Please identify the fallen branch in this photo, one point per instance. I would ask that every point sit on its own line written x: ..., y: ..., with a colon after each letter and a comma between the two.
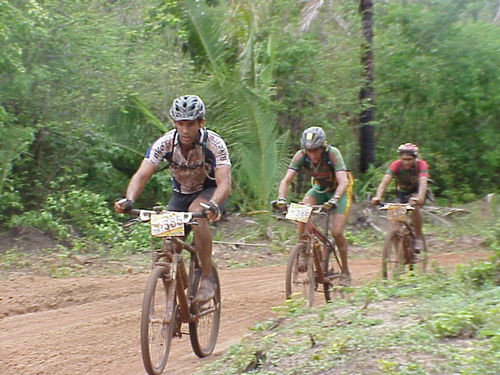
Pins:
x: 436, y: 217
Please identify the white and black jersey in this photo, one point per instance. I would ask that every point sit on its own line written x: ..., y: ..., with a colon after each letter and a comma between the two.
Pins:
x: 196, y: 172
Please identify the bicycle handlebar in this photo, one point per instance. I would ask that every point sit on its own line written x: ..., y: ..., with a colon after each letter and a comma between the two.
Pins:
x: 385, y: 205
x: 143, y: 212
x: 317, y: 209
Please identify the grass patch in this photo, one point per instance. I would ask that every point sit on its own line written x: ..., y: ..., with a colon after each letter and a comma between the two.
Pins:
x: 438, y: 323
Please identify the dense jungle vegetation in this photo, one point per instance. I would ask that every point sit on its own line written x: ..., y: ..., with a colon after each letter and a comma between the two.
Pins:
x: 85, y: 86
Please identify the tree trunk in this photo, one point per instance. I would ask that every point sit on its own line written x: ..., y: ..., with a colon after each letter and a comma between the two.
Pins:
x: 366, y: 95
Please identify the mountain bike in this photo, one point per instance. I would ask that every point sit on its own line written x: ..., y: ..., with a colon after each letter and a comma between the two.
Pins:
x: 313, y: 261
x: 399, y: 251
x: 168, y: 300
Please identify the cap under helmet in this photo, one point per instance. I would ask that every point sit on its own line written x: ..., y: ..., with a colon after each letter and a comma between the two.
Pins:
x: 187, y: 107
x: 408, y: 148
x: 313, y: 137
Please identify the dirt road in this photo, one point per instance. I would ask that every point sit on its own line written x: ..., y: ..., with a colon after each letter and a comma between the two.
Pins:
x: 89, y: 325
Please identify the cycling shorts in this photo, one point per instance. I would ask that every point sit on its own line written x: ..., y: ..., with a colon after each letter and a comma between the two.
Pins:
x: 181, y: 202
x: 344, y: 203
x: 404, y: 197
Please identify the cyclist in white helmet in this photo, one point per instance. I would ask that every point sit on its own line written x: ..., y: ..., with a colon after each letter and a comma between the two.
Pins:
x: 411, y: 174
x: 201, y: 173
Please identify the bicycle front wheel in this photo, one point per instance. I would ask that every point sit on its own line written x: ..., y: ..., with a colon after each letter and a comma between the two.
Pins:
x: 419, y: 259
x: 331, y: 271
x: 393, y: 257
x: 204, y: 330
x: 158, y: 320
x: 299, y: 277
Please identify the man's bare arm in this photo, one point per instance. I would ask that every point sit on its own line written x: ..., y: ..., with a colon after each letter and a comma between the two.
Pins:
x: 223, y: 180
x: 381, y: 188
x: 137, y: 183
x: 341, y: 177
x: 285, y: 183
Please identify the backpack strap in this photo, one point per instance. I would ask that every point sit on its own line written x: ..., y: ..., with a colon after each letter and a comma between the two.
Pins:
x: 325, y: 156
x: 203, y: 143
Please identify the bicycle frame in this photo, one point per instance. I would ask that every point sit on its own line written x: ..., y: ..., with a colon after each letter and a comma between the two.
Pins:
x: 311, y: 234
x: 172, y: 248
x: 402, y: 228
x: 310, y: 263
x: 169, y: 297
x: 399, y: 241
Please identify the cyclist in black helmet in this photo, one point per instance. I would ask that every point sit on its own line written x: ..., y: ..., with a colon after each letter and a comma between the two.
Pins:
x: 332, y: 186
x: 201, y: 173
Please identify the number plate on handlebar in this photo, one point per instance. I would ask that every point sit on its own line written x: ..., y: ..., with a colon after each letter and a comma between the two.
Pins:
x: 396, y: 213
x: 169, y: 223
x: 298, y: 212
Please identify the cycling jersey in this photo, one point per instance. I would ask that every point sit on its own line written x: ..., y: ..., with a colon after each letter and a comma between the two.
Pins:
x: 322, y: 174
x: 407, y: 179
x: 196, y: 172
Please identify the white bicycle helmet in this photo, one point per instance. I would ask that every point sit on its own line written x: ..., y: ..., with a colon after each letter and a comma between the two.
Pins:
x: 187, y: 107
x: 408, y: 148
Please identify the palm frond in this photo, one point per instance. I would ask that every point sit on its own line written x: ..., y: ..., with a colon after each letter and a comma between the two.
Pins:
x: 246, y: 119
x: 309, y: 13
x: 131, y: 126
x: 207, y: 31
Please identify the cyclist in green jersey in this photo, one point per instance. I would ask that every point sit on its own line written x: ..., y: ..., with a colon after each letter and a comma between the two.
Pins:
x: 332, y: 186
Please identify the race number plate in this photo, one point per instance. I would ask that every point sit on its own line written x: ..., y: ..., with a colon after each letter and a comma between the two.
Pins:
x: 298, y: 212
x: 169, y: 223
x: 397, y: 213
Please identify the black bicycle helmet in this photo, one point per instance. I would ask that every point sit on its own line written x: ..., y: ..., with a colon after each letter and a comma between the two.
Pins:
x: 313, y: 137
x: 187, y: 107
x: 408, y: 148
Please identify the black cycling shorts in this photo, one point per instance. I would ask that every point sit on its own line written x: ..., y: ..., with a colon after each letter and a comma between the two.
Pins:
x: 181, y: 202
x: 403, y: 196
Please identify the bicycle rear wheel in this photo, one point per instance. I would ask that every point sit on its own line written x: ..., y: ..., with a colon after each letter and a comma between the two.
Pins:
x: 158, y: 321
x: 331, y: 271
x: 393, y: 257
x: 204, y: 330
x: 300, y: 277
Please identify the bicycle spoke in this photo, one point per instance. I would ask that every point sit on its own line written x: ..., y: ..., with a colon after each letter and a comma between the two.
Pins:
x: 300, y: 277
x: 157, y: 321
x: 204, y: 330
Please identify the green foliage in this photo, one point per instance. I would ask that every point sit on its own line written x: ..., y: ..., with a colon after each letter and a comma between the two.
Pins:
x: 74, y: 215
x: 242, y: 106
x: 14, y: 142
x: 478, y: 275
x: 436, y: 87
x: 86, y: 86
x: 462, y: 323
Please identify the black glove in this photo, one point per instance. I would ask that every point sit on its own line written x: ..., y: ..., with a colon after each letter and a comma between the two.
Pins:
x: 126, y: 204
x: 331, y: 204
x: 214, y: 207
x: 279, y: 204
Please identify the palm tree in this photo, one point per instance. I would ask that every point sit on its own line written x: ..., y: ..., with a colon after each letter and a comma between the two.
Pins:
x: 238, y: 98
